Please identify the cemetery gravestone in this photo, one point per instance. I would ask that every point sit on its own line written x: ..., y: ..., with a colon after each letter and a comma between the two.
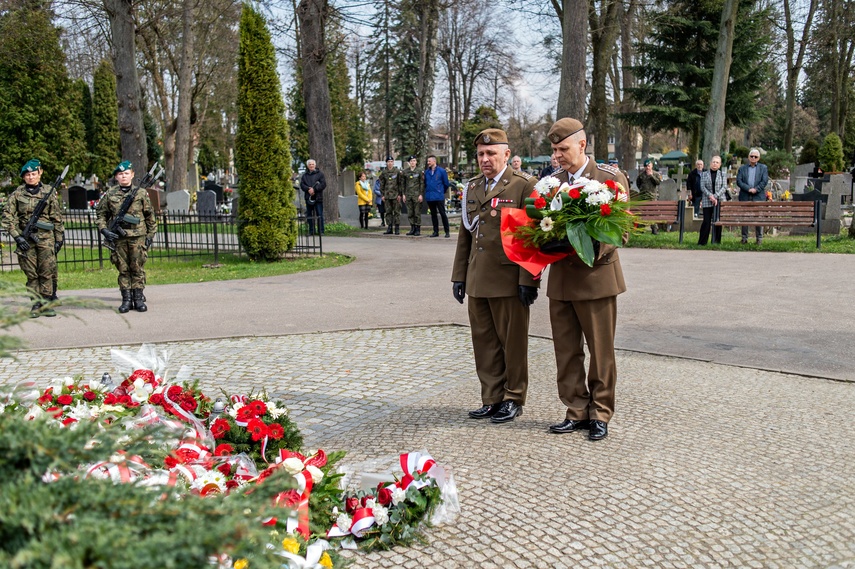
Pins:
x: 668, y: 190
x: 216, y: 188
x: 77, y: 198
x: 348, y: 210
x: 178, y: 202
x: 206, y: 203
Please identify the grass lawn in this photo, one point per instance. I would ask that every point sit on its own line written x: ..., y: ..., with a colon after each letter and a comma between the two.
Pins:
x: 189, y: 271
x: 732, y: 241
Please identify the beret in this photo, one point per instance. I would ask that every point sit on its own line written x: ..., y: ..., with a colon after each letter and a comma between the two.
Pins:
x: 491, y: 136
x: 390, y: 158
x: 563, y: 128
x: 411, y: 157
x: 31, y: 166
x: 123, y: 165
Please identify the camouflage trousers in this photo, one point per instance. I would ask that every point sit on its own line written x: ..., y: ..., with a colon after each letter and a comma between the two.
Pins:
x: 129, y: 258
x: 39, y: 264
x: 393, y: 211
x: 414, y: 211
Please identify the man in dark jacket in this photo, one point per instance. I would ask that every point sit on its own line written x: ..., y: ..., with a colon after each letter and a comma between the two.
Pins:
x: 693, y: 185
x: 313, y: 185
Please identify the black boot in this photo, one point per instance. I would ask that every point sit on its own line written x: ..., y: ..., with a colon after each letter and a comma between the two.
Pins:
x: 435, y: 233
x: 418, y: 230
x: 412, y: 230
x: 389, y: 230
x: 139, y: 300
x: 397, y: 229
x: 127, y: 302
x: 36, y: 310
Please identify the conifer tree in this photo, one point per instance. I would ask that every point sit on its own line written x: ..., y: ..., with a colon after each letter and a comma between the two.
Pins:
x: 85, y: 117
x: 106, y: 150
x: 266, y: 208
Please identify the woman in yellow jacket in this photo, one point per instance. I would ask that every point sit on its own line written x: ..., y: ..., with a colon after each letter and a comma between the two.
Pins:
x: 365, y: 197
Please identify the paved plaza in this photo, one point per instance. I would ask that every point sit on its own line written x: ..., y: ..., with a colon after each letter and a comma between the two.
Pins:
x: 708, y: 463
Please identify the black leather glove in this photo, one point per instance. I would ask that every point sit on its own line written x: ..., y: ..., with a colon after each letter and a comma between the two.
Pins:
x: 148, y: 242
x: 57, y: 246
x: 23, y: 245
x: 596, y: 249
x: 109, y: 235
x: 458, y: 289
x: 527, y: 294
x: 556, y: 246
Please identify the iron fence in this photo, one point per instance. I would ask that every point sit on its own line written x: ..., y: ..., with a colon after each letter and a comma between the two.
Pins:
x: 180, y: 235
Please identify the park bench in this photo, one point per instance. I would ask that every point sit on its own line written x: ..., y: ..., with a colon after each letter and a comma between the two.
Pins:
x: 660, y: 211
x: 778, y: 214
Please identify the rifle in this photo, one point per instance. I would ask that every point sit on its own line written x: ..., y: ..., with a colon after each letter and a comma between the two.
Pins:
x: 29, y: 231
x: 114, y: 226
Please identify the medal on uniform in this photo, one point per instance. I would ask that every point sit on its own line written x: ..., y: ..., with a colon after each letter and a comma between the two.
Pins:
x: 493, y: 212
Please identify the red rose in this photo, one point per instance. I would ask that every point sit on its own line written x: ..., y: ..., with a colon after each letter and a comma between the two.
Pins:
x: 124, y: 399
x: 540, y: 203
x: 188, y: 404
x: 64, y: 399
x: 225, y: 469
x: 257, y: 428
x: 605, y: 210
x: 132, y: 405
x: 275, y: 431
x: 575, y: 194
x: 351, y: 504
x: 156, y: 399
x: 220, y: 428
x: 174, y: 392
x: 47, y: 396
x: 365, y: 500
x: 231, y: 484
x: 245, y: 413
x: 68, y: 420
x: 258, y: 406
x: 384, y: 496
x: 170, y: 462
x: 89, y: 395
x: 224, y: 449
x: 110, y: 399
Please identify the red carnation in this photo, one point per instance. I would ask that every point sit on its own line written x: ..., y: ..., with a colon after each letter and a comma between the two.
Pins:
x: 575, y: 194
x: 89, y: 395
x: 225, y: 469
x: 156, y: 399
x: 68, y: 420
x: 220, y: 428
x: 258, y: 406
x: 540, y: 203
x: 351, y: 504
x: 384, y: 496
x: 257, y: 428
x: 611, y: 184
x: 245, y: 413
x: 110, y: 399
x: 64, y: 399
x: 275, y: 431
x: 170, y: 461
x: 605, y: 210
x: 223, y: 449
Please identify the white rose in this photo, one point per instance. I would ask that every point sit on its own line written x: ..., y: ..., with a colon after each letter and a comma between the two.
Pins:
x: 317, y: 473
x: 293, y: 465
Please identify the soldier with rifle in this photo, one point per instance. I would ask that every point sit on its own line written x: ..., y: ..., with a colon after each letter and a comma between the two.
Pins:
x: 126, y: 220
x: 34, y: 220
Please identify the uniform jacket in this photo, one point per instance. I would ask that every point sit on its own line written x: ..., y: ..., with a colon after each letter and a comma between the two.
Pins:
x: 480, y: 260
x: 720, y: 190
x: 314, y: 180
x: 436, y: 184
x: 390, y: 183
x: 761, y: 180
x: 648, y: 185
x: 19, y: 208
x: 140, y: 208
x: 412, y: 183
x: 364, y: 195
x: 571, y: 279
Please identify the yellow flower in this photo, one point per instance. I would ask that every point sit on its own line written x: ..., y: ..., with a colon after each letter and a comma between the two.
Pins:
x: 241, y: 564
x: 290, y: 545
x: 326, y: 560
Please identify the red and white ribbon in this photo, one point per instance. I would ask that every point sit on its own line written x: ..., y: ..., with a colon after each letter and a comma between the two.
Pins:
x: 363, y: 519
x: 415, y: 463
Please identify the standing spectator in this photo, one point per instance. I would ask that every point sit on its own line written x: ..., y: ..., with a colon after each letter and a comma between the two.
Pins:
x: 583, y: 303
x: 713, y: 188
x: 693, y: 185
x: 313, y: 185
x: 516, y: 164
x: 436, y: 185
x: 752, y: 179
x: 364, y: 197
x: 500, y: 292
x: 378, y: 199
x: 551, y: 169
x: 36, y: 256
x: 647, y: 183
x: 390, y: 187
x: 413, y: 188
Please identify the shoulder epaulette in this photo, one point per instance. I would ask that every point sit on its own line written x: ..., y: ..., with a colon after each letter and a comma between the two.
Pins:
x: 523, y: 175
x: 613, y: 170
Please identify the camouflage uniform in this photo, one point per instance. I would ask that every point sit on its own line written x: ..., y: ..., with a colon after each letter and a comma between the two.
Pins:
x: 413, y: 187
x: 390, y: 187
x: 130, y: 254
x: 39, y: 261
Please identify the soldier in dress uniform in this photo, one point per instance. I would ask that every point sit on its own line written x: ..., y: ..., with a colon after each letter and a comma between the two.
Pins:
x: 36, y: 258
x: 583, y: 302
x: 500, y: 291
x: 413, y: 182
x: 131, y: 247
x: 390, y: 187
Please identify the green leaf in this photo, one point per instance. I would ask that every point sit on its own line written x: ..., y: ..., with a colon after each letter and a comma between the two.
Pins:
x: 533, y: 212
x: 581, y: 242
x: 604, y: 232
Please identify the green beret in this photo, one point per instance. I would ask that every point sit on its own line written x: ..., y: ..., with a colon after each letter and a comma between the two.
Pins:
x: 491, y: 136
x: 563, y: 128
x: 31, y: 166
x: 123, y: 165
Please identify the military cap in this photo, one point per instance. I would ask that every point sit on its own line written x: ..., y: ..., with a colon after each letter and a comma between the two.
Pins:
x: 411, y: 157
x: 123, y: 165
x: 388, y: 158
x: 491, y: 136
x: 31, y: 166
x: 563, y: 128
x: 646, y: 162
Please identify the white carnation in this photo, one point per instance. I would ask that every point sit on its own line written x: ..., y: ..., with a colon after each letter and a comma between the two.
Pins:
x: 370, y: 502
x: 398, y: 495
x: 381, y: 515
x: 343, y: 522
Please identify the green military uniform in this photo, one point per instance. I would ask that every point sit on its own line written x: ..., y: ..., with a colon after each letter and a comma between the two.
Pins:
x: 390, y: 187
x: 131, y: 252
x: 414, y: 188
x: 38, y: 262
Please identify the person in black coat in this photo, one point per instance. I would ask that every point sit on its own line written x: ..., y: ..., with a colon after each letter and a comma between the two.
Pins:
x: 693, y: 185
x: 313, y: 185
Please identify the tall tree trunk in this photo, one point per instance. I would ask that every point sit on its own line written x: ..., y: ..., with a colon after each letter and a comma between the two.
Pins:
x: 604, y: 31
x: 794, y: 66
x: 185, y: 99
x: 131, y: 131
x: 714, y: 122
x: 429, y: 20
x: 628, y: 142
x: 574, y: 31
x: 313, y: 15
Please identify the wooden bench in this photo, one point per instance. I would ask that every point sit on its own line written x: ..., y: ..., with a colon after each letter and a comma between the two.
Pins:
x: 659, y: 211
x: 786, y: 214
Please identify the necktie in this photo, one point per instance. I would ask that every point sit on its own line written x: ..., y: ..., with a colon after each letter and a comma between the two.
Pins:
x: 571, y: 178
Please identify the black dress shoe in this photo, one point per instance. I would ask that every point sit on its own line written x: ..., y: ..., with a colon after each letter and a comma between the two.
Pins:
x: 485, y: 411
x: 598, y: 430
x: 569, y: 425
x: 508, y: 411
